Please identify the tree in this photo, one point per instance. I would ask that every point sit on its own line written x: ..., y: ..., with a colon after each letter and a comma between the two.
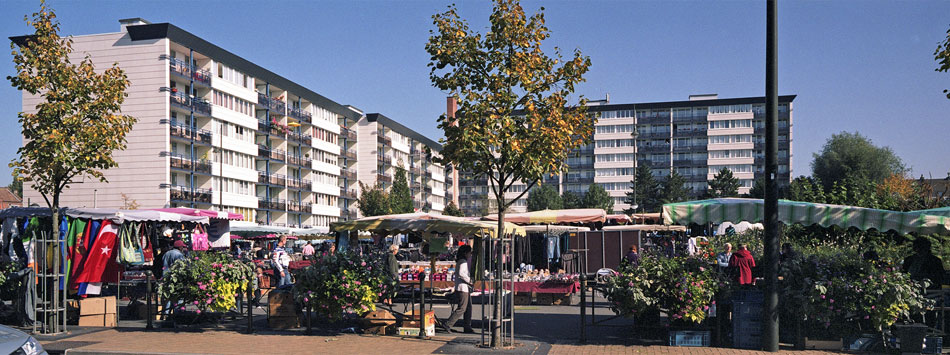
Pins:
x: 544, y: 197
x: 16, y: 187
x: 373, y: 201
x: 645, y: 192
x: 674, y: 188
x: 400, y: 198
x: 452, y: 210
x: 758, y: 188
x: 723, y: 184
x: 129, y: 203
x: 571, y: 200
x: 597, y: 197
x: 76, y: 127
x: 942, y: 56
x: 851, y: 155
x: 514, y: 123
x: 806, y: 189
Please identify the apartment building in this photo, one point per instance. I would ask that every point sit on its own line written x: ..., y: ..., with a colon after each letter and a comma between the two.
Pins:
x: 216, y: 131
x: 696, y: 138
x: 386, y: 145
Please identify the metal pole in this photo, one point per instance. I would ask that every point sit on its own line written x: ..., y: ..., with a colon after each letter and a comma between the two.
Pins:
x: 250, y: 311
x: 422, y: 306
x: 148, y: 299
x: 770, y: 307
x: 583, y: 308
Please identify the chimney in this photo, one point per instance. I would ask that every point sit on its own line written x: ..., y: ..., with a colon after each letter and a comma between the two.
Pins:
x: 451, y: 105
x: 135, y: 21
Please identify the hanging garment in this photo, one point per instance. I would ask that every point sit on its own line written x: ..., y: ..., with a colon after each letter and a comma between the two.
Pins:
x: 76, y: 229
x: 147, y: 253
x: 101, y: 252
x: 10, y: 234
x: 199, y: 239
x: 129, y: 251
x: 552, y: 248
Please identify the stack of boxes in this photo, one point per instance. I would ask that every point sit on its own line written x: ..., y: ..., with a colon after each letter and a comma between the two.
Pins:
x: 411, y: 326
x: 97, y: 312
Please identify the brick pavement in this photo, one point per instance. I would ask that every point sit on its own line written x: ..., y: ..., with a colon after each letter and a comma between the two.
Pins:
x: 136, y: 341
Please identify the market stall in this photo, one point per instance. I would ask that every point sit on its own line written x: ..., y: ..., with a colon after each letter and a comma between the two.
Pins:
x: 579, y: 215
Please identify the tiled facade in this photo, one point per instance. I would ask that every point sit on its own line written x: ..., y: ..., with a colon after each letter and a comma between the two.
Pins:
x: 695, y: 137
x: 216, y: 131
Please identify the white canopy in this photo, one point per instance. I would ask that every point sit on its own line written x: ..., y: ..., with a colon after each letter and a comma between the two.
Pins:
x: 553, y: 229
x: 115, y: 215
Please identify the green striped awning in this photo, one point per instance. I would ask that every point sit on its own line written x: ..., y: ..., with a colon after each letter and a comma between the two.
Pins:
x: 793, y: 212
x: 941, y: 211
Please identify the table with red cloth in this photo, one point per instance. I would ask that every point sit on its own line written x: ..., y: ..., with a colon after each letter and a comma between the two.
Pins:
x: 549, y: 286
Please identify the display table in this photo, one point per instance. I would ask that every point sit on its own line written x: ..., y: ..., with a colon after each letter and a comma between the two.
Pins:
x: 550, y: 286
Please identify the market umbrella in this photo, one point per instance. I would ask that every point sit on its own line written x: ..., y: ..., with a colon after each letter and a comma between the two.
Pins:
x: 793, y: 212
x: 579, y: 215
x: 202, y: 213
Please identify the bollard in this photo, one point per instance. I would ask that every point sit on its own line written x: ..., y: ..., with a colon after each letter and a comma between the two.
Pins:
x: 422, y: 305
x: 583, y: 308
x: 148, y: 299
x: 250, y: 311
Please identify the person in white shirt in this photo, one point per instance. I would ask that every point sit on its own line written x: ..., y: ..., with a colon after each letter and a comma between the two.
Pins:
x: 463, y: 289
x: 281, y: 261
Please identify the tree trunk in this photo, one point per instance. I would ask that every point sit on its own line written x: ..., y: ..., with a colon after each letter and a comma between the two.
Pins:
x: 55, y: 297
x: 496, y: 341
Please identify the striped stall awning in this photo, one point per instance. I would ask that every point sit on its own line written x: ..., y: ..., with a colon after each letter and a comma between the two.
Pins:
x: 737, y: 210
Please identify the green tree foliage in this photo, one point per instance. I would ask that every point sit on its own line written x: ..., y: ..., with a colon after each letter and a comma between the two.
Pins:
x: 544, y: 197
x: 16, y: 187
x: 373, y: 201
x: 806, y: 189
x: 571, y: 200
x: 674, y: 188
x: 853, y: 156
x: 758, y: 188
x: 645, y: 192
x: 76, y: 127
x: 723, y: 184
x: 452, y: 210
x: 400, y: 198
x: 942, y: 56
x: 597, y: 197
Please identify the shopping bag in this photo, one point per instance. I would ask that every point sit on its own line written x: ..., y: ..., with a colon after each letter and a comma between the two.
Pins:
x: 199, y: 239
x: 128, y: 252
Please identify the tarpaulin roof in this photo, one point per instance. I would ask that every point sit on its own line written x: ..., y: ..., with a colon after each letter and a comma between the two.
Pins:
x: 112, y: 214
x: 579, y: 215
x: 202, y: 213
x: 423, y: 222
x: 645, y: 228
x: 942, y: 211
x: 793, y: 212
x: 619, y: 217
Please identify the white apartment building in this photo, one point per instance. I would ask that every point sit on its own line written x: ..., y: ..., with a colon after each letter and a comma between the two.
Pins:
x: 216, y: 131
x: 696, y: 138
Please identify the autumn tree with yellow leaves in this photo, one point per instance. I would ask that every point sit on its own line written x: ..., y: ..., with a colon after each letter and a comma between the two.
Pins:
x: 75, y: 129
x: 515, y: 121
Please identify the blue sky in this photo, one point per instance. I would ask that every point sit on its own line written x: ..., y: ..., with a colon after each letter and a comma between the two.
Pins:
x: 856, y: 66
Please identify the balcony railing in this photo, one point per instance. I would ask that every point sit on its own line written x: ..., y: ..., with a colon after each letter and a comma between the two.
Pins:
x: 350, y: 194
x: 299, y: 114
x: 298, y: 206
x: 349, y: 154
x: 580, y: 179
x: 690, y: 132
x: 300, y: 137
x: 272, y: 179
x: 272, y: 204
x: 272, y: 104
x: 297, y: 160
x: 275, y: 154
x: 653, y: 119
x: 580, y: 166
x: 682, y: 162
x: 382, y: 138
x: 348, y: 174
x: 647, y: 135
x: 347, y: 133
x: 583, y: 151
x: 182, y: 130
x: 181, y: 162
x: 654, y: 148
x: 194, y: 104
x: 415, y: 170
x: 384, y: 178
x: 299, y: 184
x: 689, y: 118
x: 385, y: 159
x: 185, y: 70
x: 182, y: 193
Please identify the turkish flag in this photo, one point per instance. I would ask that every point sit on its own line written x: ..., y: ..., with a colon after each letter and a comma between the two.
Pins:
x: 99, y: 255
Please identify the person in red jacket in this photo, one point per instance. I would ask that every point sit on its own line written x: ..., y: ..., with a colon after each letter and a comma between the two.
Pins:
x: 742, y: 262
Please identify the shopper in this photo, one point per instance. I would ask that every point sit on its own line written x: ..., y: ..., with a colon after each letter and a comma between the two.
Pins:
x: 281, y: 262
x: 463, y: 289
x: 393, y: 267
x: 173, y: 255
x: 308, y: 251
x: 923, y: 265
x: 632, y: 257
x: 788, y: 253
x: 723, y: 258
x: 743, y: 262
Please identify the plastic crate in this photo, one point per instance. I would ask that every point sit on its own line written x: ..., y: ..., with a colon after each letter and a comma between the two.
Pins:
x: 689, y: 338
x: 747, y: 310
x: 747, y: 334
x: 932, y: 345
x: 749, y: 296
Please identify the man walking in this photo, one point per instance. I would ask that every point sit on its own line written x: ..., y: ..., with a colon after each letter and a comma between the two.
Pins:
x: 281, y: 261
x: 463, y: 289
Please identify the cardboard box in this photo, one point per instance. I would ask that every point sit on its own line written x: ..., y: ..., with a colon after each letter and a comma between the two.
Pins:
x: 407, y: 331
x: 429, y: 318
x: 380, y: 317
x: 545, y: 299
x: 110, y: 321
x: 96, y: 320
x: 110, y: 304
x: 381, y: 330
x: 92, y: 306
x: 283, y: 322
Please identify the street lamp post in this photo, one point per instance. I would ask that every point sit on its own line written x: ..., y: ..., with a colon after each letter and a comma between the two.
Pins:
x: 635, y: 134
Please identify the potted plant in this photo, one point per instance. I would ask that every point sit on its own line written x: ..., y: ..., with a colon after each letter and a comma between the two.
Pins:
x: 205, y: 282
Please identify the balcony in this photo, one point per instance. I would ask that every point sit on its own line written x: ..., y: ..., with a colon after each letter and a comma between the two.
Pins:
x: 384, y: 178
x: 682, y: 162
x: 347, y: 133
x: 382, y: 138
x: 182, y: 193
x: 654, y: 148
x: 758, y: 146
x: 578, y: 179
x: 183, y: 69
x: 579, y: 166
x: 194, y: 104
x: 300, y: 161
x: 350, y: 194
x: 648, y: 135
x: 299, y: 184
x: 348, y: 174
x: 349, y: 154
x: 177, y: 161
x: 761, y: 160
x: 271, y: 204
x: 385, y: 159
x: 690, y: 132
x: 275, y: 105
x: 695, y: 118
x: 273, y: 154
x: 415, y: 170
x: 272, y: 179
x: 182, y: 130
x: 582, y: 151
x: 305, y: 139
x: 298, y: 206
x: 653, y: 119
x: 472, y: 182
x: 300, y: 114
